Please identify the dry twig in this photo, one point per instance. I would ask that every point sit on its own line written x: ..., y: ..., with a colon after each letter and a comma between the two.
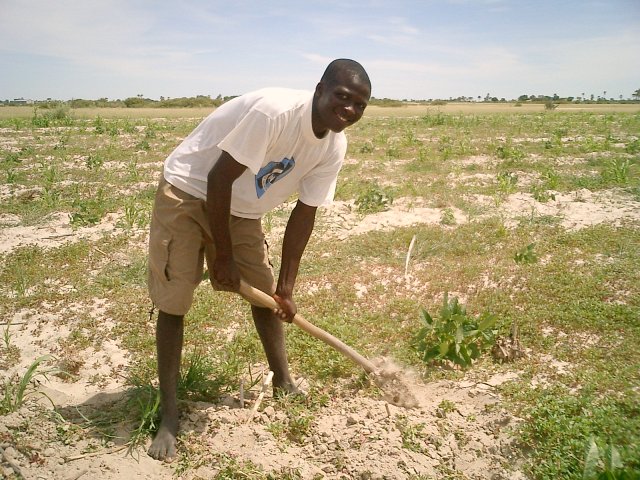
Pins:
x: 256, y: 405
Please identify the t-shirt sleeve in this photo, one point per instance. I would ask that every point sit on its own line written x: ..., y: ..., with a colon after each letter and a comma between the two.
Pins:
x: 319, y: 186
x: 249, y: 140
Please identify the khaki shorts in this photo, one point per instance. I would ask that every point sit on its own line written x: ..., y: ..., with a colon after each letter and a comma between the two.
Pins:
x: 180, y: 239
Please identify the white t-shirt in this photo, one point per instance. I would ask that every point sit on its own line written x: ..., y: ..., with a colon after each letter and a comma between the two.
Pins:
x: 270, y: 132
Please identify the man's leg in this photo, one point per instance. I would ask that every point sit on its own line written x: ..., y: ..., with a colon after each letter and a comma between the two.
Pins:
x: 169, y: 335
x: 271, y: 332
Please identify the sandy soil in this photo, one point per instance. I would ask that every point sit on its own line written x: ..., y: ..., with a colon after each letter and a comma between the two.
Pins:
x: 354, y: 436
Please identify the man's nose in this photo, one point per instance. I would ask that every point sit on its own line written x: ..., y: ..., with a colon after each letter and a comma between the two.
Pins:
x: 351, y: 108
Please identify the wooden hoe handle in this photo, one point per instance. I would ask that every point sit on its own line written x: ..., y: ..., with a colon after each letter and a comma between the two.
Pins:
x: 260, y: 298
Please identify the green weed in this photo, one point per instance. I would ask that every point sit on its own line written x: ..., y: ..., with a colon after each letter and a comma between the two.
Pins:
x: 16, y: 391
x: 509, y: 152
x: 447, y: 217
x: 617, y: 171
x: 144, y: 401
x: 454, y: 336
x: 507, y: 182
x: 541, y: 194
x: 87, y: 211
x: 446, y: 407
x: 134, y: 215
x: 374, y: 199
x: 94, y: 161
x: 526, y: 254
x: 413, y: 436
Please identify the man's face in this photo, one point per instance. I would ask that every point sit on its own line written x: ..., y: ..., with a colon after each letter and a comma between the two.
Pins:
x: 338, y: 105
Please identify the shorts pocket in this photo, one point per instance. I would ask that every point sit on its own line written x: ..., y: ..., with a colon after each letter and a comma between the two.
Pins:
x: 164, y: 258
x: 159, y: 258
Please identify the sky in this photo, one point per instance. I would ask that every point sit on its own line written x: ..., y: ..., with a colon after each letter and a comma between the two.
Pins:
x: 412, y: 49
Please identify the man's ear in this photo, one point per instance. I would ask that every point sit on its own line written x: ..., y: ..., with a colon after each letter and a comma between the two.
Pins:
x: 319, y: 88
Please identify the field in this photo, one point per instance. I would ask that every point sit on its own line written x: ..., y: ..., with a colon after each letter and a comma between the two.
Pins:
x: 526, y: 217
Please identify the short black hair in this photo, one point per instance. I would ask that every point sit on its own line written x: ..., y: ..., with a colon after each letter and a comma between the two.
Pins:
x: 345, y: 65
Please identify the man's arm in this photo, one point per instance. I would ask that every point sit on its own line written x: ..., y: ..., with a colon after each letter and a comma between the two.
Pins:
x: 219, y: 184
x: 296, y: 236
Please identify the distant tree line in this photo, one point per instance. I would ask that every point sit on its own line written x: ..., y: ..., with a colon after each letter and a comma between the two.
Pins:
x: 204, y: 101
x: 138, y: 101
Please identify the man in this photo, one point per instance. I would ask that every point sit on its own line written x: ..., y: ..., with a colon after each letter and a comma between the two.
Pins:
x: 243, y: 160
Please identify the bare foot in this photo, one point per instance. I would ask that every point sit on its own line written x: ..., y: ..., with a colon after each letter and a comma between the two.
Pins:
x: 163, y: 446
x: 285, y: 389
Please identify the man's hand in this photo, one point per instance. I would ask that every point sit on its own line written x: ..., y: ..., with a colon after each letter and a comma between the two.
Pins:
x: 287, y: 308
x: 226, y: 276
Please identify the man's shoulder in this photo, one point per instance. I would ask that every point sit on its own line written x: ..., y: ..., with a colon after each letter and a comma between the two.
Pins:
x: 275, y: 101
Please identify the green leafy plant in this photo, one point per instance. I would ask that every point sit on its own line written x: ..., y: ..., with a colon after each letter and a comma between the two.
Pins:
x: 445, y: 407
x: 541, y: 194
x: 526, y: 254
x: 393, y: 151
x: 94, y: 161
x: 12, y: 176
x: 454, y: 336
x: 551, y: 179
x: 447, y: 217
x: 86, y: 212
x: 98, y: 125
x: 508, y: 152
x: 373, y: 199
x: 633, y: 146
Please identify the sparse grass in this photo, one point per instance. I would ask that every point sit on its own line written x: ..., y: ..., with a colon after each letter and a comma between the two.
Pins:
x: 584, y: 283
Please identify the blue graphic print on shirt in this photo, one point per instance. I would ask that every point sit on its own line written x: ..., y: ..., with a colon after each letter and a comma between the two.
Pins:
x: 271, y: 173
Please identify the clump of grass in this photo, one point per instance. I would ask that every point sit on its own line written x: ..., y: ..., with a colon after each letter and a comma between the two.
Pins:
x: 559, y: 423
x: 135, y: 215
x: 144, y: 401
x: 617, y: 171
x: 16, y: 390
x: 9, y: 353
x: 201, y: 379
